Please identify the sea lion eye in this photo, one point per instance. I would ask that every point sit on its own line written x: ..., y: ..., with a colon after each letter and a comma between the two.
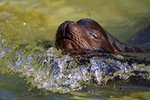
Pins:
x: 95, y: 36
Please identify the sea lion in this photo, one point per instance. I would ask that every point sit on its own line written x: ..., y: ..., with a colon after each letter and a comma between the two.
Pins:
x: 88, y: 34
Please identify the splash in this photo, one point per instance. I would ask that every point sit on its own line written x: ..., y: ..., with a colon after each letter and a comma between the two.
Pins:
x: 50, y: 70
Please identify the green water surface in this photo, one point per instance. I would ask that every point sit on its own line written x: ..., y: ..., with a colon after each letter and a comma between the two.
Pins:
x: 31, y: 25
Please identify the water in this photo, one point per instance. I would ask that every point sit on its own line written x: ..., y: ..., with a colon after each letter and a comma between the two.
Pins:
x: 31, y: 67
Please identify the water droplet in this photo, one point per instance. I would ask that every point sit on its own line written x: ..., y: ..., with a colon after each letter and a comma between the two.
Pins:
x: 1, y: 33
x: 3, y: 40
x: 24, y: 23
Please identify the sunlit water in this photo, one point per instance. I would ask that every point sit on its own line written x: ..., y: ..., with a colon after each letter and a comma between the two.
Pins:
x: 32, y: 68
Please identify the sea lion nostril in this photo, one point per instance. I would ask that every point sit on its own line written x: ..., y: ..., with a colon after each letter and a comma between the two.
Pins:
x: 67, y: 22
x: 67, y: 28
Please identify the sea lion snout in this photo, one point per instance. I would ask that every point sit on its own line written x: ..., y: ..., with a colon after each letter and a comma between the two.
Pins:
x: 66, y: 36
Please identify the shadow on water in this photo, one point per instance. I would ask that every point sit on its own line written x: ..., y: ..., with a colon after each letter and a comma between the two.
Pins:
x: 141, y: 37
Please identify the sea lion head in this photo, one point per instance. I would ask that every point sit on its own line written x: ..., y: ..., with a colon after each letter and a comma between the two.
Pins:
x: 84, y: 34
